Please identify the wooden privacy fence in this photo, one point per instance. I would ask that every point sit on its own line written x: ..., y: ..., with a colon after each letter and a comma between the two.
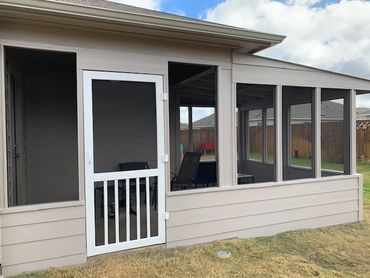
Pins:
x: 332, y: 140
x: 363, y: 140
x: 200, y: 136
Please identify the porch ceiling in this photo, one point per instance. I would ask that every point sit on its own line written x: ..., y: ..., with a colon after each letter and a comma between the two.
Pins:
x: 199, y: 89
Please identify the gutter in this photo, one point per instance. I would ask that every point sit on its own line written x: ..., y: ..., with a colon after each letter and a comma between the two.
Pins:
x: 233, y: 35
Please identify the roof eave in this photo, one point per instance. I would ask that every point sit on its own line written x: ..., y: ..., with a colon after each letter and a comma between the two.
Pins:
x: 183, y: 28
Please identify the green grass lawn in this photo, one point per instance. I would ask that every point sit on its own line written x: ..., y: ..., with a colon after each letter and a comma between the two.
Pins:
x: 340, y: 251
x: 364, y: 168
x: 301, y: 162
x: 208, y: 157
x: 328, y: 165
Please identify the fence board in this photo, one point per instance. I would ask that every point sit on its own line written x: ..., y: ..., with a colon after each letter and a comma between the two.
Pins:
x: 332, y: 140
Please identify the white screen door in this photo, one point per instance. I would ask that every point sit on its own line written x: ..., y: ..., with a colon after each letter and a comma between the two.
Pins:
x: 124, y: 161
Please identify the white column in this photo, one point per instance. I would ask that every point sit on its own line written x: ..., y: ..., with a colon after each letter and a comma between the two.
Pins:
x: 3, y: 162
x: 225, y: 128
x: 353, y: 153
x: 236, y: 152
x: 317, y: 133
x: 279, y: 133
x: 352, y: 140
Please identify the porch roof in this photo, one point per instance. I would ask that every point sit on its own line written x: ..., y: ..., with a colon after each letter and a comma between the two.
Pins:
x: 104, y: 15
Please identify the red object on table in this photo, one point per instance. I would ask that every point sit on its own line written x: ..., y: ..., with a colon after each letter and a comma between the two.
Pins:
x: 209, y: 146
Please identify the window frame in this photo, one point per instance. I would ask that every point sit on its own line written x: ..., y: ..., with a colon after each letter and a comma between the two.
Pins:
x: 190, y: 125
x: 246, y: 144
x: 287, y: 129
x: 263, y: 138
x: 3, y: 151
x: 350, y: 127
x: 349, y: 133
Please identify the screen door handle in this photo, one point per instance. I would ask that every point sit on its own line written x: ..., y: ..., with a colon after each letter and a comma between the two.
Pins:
x: 89, y: 159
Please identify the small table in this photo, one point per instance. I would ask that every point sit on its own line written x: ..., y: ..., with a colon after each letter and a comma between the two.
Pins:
x: 245, y: 178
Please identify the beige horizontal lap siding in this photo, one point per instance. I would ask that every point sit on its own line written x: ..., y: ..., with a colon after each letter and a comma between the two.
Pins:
x: 270, y: 229
x: 248, y: 212
x: 43, y: 238
x: 54, y: 262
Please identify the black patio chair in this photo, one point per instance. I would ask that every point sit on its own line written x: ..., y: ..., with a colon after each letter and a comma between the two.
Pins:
x: 126, y: 166
x: 140, y: 165
x: 185, y: 179
x: 132, y: 166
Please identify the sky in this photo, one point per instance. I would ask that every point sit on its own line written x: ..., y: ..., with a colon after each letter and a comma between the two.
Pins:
x: 328, y: 34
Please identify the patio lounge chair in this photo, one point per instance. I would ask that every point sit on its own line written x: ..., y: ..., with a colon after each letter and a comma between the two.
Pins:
x: 187, y: 173
x: 132, y: 166
x: 126, y: 166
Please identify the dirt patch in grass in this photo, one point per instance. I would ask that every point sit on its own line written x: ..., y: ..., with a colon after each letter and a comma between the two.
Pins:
x: 341, y: 251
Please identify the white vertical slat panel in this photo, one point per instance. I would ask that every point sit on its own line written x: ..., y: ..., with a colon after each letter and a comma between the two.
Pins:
x: 105, y: 212
x: 138, y: 220
x: 127, y: 184
x: 279, y: 133
x: 317, y: 133
x: 147, y: 191
x: 116, y: 209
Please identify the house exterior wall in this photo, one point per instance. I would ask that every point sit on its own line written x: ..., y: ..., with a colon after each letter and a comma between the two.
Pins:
x: 250, y: 211
x: 62, y: 240
x: 42, y: 236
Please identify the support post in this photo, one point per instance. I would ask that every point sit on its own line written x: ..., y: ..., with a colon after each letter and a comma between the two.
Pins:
x: 278, y: 133
x: 3, y: 150
x: 316, y: 154
x: 352, y: 126
x: 247, y: 135
x: 190, y: 118
x: 264, y: 135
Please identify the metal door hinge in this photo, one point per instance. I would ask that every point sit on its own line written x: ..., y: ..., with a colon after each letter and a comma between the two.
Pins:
x: 166, y: 215
x: 165, y: 158
x: 164, y: 96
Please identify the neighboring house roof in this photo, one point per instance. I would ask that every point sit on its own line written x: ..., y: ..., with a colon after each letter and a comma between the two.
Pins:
x: 363, y: 113
x: 330, y: 111
x: 183, y: 126
x: 363, y: 110
x: 104, y: 15
x: 205, y: 122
